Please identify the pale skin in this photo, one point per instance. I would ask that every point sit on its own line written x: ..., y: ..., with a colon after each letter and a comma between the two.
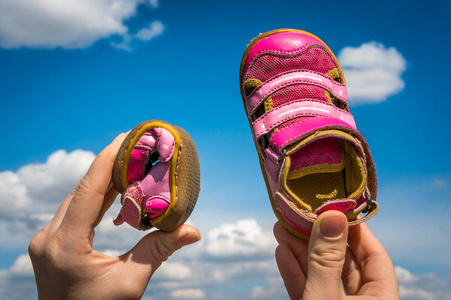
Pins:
x: 66, y: 266
x: 335, y: 260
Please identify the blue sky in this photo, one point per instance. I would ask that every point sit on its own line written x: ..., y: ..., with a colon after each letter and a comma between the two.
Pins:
x: 72, y: 77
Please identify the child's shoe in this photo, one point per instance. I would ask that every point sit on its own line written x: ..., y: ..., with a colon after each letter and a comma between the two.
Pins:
x: 157, y: 171
x: 312, y: 157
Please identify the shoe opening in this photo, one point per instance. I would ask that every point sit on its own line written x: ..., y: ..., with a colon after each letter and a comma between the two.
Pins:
x: 326, y: 169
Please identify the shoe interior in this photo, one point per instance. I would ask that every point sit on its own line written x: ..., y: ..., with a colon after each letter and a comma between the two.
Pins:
x: 324, y: 170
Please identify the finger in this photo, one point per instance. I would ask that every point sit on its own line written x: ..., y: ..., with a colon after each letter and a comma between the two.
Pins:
x: 352, y: 274
x: 298, y: 246
x: 109, y: 200
x: 156, y: 247
x: 59, y: 215
x: 327, y: 250
x: 291, y: 271
x: 377, y: 268
x: 86, y: 205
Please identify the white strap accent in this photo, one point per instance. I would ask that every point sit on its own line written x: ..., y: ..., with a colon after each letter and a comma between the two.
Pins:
x: 299, y: 108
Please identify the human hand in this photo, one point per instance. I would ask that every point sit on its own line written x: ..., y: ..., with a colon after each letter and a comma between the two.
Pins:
x: 322, y: 267
x: 66, y: 266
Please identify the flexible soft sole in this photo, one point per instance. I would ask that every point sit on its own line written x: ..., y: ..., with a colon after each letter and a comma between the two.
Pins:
x: 184, y: 173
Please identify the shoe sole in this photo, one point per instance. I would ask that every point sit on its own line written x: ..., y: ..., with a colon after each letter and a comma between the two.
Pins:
x: 184, y: 173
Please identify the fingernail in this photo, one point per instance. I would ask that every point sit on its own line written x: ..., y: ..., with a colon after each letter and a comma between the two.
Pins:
x: 188, y: 238
x: 333, y: 226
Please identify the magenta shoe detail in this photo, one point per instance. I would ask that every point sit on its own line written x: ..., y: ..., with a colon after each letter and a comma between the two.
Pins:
x: 148, y: 172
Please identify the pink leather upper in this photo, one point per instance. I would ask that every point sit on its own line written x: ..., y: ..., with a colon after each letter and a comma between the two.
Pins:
x: 257, y: 96
x: 150, y: 191
x: 280, y: 43
x: 137, y: 164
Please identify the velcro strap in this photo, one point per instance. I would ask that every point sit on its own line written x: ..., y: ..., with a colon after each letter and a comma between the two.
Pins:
x: 299, y: 108
x: 288, y: 135
x: 338, y: 90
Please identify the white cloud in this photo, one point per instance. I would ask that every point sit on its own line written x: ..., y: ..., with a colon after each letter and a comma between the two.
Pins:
x: 398, y: 226
x: 13, y: 193
x: 372, y: 72
x: 275, y: 289
x: 22, y: 266
x: 404, y: 276
x: 209, y: 267
x: 18, y: 282
x: 188, y: 294
x: 174, y: 271
x: 30, y: 196
x: 50, y: 181
x: 153, y: 3
x: 422, y: 287
x: 112, y: 252
x: 258, y: 292
x: 69, y: 24
x: 155, y: 29
x: 244, y: 238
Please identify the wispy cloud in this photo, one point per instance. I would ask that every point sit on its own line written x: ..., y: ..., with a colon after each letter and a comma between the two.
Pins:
x: 372, y: 71
x: 155, y: 29
x: 70, y: 24
x: 440, y: 184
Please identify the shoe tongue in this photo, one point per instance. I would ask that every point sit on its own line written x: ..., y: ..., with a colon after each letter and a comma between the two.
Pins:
x: 324, y: 155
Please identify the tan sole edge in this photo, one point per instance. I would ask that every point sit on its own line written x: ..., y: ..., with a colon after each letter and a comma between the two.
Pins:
x: 187, y: 176
x: 187, y: 183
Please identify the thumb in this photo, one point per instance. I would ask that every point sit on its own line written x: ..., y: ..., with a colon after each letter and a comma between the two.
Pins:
x: 157, y: 246
x: 326, y: 256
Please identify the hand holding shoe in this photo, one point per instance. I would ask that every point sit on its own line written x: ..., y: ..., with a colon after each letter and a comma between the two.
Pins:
x: 322, y: 267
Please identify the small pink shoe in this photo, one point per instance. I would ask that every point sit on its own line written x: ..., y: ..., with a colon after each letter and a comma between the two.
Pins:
x: 157, y: 171
x: 312, y: 157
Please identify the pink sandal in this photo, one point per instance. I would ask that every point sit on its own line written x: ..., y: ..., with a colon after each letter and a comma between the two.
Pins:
x: 157, y: 172
x: 312, y: 157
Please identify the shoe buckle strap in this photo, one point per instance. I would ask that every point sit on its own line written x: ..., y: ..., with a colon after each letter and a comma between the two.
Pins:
x: 296, y: 109
x: 338, y: 90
